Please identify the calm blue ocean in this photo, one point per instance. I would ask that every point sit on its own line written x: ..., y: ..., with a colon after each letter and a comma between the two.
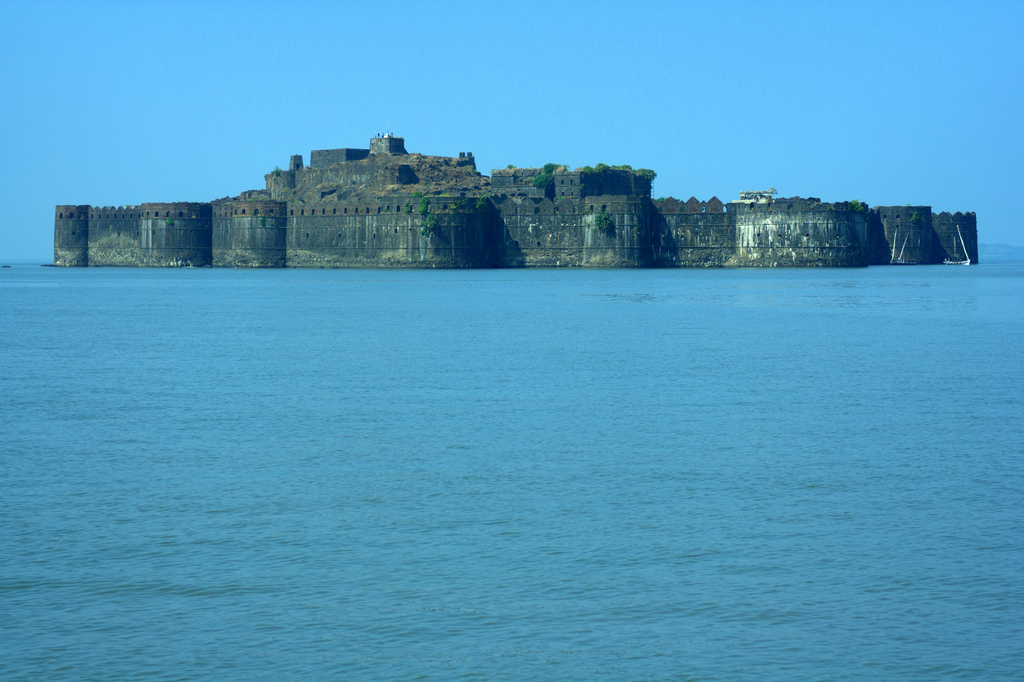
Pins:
x: 512, y: 474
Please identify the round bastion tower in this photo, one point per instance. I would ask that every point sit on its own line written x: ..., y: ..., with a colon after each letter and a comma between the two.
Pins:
x: 176, y: 234
x: 71, y: 236
x: 250, y: 234
x: 908, y: 232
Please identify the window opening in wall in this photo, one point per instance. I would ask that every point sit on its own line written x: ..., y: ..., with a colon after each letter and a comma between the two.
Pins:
x: 538, y: 243
x: 345, y: 209
x: 334, y: 211
x: 179, y: 214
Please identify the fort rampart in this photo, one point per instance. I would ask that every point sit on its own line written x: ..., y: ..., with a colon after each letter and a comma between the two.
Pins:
x: 383, y: 207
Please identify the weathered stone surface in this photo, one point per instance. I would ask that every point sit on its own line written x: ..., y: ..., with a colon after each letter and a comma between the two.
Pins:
x: 383, y: 207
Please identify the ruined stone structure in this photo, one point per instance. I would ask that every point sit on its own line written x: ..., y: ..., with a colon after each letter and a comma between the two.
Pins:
x: 385, y: 207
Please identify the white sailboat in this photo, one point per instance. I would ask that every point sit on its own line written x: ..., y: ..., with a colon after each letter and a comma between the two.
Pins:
x: 966, y: 260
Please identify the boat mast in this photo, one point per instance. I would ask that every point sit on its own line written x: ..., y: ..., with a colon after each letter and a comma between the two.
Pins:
x: 966, y: 257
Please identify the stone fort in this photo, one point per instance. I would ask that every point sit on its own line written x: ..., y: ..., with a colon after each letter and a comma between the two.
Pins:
x: 385, y: 207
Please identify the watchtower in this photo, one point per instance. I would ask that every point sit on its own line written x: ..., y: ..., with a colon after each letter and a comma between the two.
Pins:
x: 388, y: 144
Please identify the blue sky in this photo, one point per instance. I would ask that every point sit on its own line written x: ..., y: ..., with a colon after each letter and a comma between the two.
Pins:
x: 889, y: 103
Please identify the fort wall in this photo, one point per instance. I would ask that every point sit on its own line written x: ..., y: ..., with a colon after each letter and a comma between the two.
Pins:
x: 350, y: 175
x: 366, y: 237
x: 908, y: 231
x: 176, y: 234
x: 249, y: 234
x: 387, y: 145
x: 950, y: 229
x: 570, y: 184
x: 325, y: 158
x: 114, y: 235
x: 356, y: 208
x: 690, y: 240
x: 71, y: 235
x: 799, y: 233
x: 603, y: 231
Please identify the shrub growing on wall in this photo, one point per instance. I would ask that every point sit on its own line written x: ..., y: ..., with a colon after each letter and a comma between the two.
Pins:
x: 604, y: 223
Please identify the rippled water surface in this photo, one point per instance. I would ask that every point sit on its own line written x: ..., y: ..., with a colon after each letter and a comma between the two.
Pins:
x: 530, y: 474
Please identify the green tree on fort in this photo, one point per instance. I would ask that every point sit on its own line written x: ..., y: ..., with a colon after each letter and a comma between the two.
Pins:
x: 547, y: 177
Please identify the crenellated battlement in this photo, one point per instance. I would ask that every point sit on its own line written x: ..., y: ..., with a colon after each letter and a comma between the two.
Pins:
x: 673, y: 206
x: 72, y: 212
x: 114, y: 212
x: 178, y: 209
x: 957, y: 235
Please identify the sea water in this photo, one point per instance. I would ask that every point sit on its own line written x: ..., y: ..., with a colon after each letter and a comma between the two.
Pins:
x: 512, y: 474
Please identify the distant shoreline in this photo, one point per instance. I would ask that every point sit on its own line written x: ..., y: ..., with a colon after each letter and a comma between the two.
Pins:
x: 1000, y: 252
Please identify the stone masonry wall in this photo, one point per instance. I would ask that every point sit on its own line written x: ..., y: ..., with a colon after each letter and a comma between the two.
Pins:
x: 371, y: 176
x: 542, y: 233
x: 387, y: 145
x: 71, y: 235
x: 114, y: 236
x: 908, y: 230
x: 176, y: 235
x: 769, y: 235
x: 366, y: 235
x: 693, y: 240
x: 946, y: 228
x: 249, y: 234
x: 324, y: 158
